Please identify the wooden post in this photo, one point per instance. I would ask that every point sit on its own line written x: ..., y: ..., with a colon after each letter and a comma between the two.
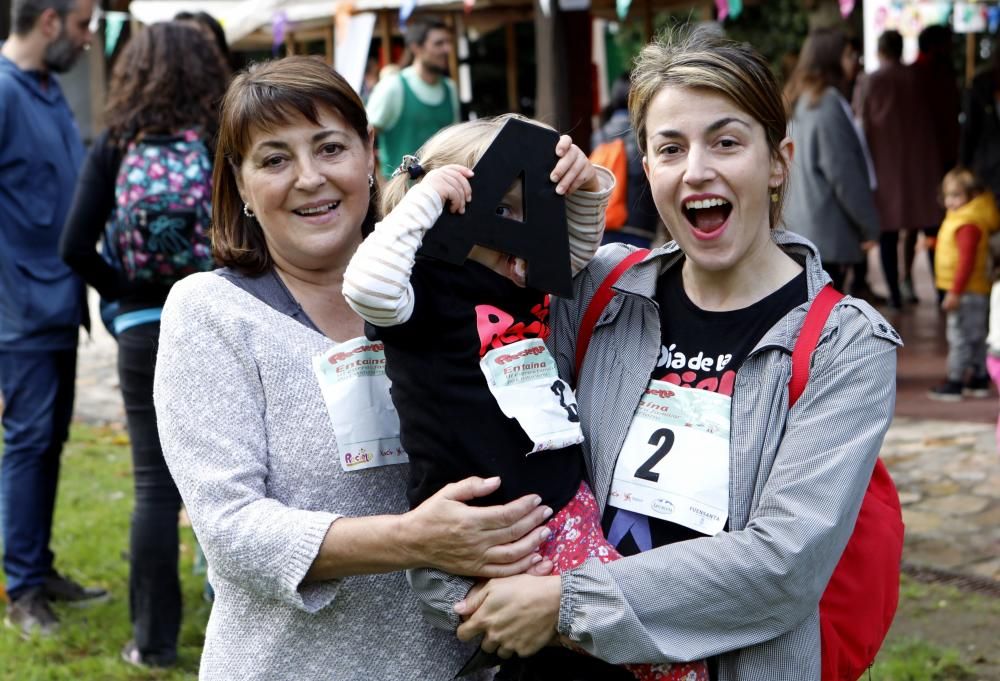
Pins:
x: 289, y: 43
x: 970, y: 58
x: 513, y: 100
x: 449, y: 21
x: 330, y: 45
x: 385, y: 32
x: 647, y: 21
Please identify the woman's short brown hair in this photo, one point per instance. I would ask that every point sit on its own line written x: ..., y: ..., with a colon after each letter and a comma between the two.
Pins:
x: 701, y: 59
x: 264, y: 97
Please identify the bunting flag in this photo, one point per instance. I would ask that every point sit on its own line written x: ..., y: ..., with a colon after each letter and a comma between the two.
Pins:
x: 736, y: 8
x: 113, y: 23
x: 621, y: 6
x: 279, y: 24
x: 993, y: 19
x: 405, y: 10
x: 342, y: 12
x: 722, y: 9
x: 546, y: 7
x: 468, y: 5
x: 846, y: 7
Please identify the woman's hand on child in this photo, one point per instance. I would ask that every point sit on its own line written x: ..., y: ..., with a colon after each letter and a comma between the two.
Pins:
x: 573, y: 170
x: 516, y: 615
x: 479, y: 541
x: 451, y: 182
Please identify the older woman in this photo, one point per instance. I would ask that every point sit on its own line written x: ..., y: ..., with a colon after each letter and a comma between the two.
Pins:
x: 304, y: 541
x: 755, y: 500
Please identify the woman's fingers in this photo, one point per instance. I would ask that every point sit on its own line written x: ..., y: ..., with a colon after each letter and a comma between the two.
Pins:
x: 473, y: 488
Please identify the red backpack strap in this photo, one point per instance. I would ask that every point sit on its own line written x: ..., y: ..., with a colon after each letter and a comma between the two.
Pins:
x: 812, y: 327
x: 602, y: 296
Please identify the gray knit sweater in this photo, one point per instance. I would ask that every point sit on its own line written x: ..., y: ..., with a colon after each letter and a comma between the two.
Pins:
x: 248, y: 440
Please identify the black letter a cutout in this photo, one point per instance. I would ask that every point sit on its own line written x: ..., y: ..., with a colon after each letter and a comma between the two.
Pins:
x: 519, y: 149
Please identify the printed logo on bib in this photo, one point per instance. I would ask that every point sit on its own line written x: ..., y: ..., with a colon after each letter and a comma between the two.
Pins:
x: 674, y: 464
x: 356, y: 392
x: 523, y: 379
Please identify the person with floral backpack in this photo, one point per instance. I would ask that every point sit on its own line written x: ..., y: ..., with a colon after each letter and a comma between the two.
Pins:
x: 145, y: 191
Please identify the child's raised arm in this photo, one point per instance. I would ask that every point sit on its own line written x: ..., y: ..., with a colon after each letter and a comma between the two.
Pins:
x: 377, y: 280
x: 587, y: 188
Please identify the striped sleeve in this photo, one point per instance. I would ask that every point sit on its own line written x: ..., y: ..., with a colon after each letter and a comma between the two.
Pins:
x: 585, y: 219
x: 377, y: 281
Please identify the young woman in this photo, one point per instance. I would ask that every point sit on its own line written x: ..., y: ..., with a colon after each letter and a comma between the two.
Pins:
x: 762, y: 498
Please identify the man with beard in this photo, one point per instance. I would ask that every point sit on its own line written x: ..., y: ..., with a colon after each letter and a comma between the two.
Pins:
x: 407, y: 108
x: 42, y: 302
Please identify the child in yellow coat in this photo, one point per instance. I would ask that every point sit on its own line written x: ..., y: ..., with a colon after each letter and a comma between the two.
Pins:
x: 961, y: 270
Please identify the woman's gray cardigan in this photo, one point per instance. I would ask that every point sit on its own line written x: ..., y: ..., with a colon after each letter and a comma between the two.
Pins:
x: 249, y: 442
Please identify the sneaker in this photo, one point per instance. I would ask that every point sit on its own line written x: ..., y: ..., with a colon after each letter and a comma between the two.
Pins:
x: 32, y: 614
x: 977, y: 386
x: 949, y: 391
x: 132, y: 656
x: 63, y: 589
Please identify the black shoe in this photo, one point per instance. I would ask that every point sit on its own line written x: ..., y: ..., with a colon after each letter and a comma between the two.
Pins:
x: 63, y: 589
x: 132, y: 656
x: 32, y: 614
x: 977, y: 386
x: 949, y: 391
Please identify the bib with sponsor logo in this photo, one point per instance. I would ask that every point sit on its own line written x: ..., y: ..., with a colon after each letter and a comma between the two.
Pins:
x: 674, y: 464
x: 356, y: 391
x: 523, y: 379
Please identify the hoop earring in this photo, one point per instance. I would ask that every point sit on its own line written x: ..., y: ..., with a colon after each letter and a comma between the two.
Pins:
x: 247, y: 211
x: 371, y: 180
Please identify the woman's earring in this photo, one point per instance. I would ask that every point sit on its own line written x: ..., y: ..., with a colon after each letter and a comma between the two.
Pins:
x: 775, y: 196
x: 247, y: 211
x: 371, y: 180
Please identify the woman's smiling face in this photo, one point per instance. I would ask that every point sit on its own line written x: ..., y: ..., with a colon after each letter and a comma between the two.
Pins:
x: 711, y: 173
x: 307, y: 184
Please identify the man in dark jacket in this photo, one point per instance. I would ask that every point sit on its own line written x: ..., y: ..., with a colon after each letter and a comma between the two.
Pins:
x: 42, y: 303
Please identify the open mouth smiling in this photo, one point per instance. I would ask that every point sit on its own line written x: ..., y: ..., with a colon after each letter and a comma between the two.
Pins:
x: 317, y: 210
x: 708, y: 214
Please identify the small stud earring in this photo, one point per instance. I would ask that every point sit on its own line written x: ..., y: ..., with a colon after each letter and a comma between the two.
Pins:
x: 371, y: 180
x: 775, y: 196
x: 247, y: 211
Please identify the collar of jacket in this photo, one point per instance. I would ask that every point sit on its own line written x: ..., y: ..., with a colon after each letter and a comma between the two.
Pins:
x: 640, y: 280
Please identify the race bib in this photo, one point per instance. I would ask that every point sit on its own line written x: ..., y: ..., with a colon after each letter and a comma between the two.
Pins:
x: 523, y: 379
x: 674, y: 464
x: 356, y: 392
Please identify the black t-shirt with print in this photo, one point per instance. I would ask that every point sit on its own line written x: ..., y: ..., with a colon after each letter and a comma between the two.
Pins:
x: 450, y: 424
x: 702, y: 349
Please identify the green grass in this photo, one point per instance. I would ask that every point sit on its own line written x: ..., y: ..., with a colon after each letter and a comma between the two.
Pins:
x: 940, y: 633
x: 90, y: 540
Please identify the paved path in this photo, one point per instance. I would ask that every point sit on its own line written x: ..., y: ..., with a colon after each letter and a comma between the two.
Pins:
x: 943, y: 457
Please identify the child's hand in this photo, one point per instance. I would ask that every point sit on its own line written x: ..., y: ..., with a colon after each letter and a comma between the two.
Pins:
x: 451, y: 182
x: 573, y: 170
x: 950, y: 302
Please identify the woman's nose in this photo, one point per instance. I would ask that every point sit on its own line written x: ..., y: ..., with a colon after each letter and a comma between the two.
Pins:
x: 309, y: 178
x: 699, y: 167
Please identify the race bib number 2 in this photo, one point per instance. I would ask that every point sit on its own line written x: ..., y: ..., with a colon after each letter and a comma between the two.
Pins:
x: 674, y: 464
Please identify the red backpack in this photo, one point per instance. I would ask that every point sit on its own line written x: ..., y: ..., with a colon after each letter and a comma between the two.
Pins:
x: 860, y: 599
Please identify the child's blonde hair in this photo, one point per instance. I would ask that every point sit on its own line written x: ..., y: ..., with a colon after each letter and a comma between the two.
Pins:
x: 964, y: 178
x: 462, y: 143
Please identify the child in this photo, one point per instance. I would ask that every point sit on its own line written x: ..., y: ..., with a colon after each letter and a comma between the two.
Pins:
x: 961, y: 268
x: 446, y: 329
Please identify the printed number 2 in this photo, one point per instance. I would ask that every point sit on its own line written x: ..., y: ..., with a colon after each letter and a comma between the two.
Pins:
x: 664, y: 439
